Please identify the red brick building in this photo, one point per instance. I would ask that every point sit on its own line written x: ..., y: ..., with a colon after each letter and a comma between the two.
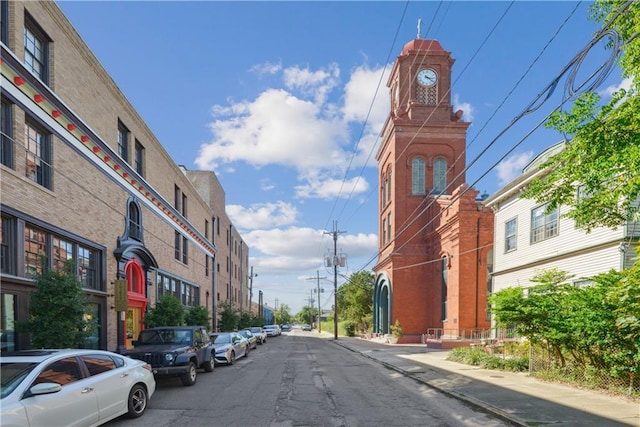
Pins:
x: 435, y: 235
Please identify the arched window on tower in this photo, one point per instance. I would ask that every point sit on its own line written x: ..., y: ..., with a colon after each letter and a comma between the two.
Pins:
x: 417, y: 176
x: 439, y: 176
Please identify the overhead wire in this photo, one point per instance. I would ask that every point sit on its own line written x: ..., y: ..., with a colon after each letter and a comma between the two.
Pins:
x: 599, y: 75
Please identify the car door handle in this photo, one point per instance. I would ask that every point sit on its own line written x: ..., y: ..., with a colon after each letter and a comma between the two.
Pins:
x: 124, y: 375
x: 87, y: 390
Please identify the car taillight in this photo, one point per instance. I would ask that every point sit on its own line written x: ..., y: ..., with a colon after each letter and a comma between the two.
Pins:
x: 147, y: 367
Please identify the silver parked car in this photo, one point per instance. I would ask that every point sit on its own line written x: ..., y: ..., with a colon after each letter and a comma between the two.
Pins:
x: 260, y: 335
x: 229, y: 347
x: 72, y: 387
x: 272, y: 330
x: 253, y: 341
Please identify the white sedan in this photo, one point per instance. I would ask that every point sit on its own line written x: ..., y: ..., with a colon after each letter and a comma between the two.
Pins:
x: 72, y: 387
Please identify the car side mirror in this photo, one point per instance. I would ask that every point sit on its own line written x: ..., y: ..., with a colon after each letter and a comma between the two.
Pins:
x: 44, y: 388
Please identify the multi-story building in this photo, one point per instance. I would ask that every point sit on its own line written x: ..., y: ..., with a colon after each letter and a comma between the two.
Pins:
x: 529, y: 240
x: 84, y: 178
x: 434, y: 235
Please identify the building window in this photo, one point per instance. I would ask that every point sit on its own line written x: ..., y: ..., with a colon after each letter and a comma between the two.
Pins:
x: 389, y: 227
x: 134, y: 221
x: 123, y: 141
x: 206, y: 229
x: 185, y: 250
x: 184, y: 205
x: 389, y: 185
x: 176, y: 244
x: 417, y: 176
x: 6, y: 134
x: 139, y: 158
x: 36, y: 49
x: 88, y: 267
x: 4, y: 24
x: 206, y: 265
x: 181, y: 248
x: 38, y: 155
x: 188, y: 293
x: 176, y: 197
x: 62, y: 252
x: 510, y: 235
x: 384, y: 231
x: 8, y: 311
x: 35, y: 250
x: 543, y: 225
x: 42, y: 248
x: 8, y: 242
x: 445, y: 280
x: 439, y: 176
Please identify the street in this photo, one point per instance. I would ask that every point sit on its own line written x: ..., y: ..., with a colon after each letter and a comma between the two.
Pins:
x: 299, y: 379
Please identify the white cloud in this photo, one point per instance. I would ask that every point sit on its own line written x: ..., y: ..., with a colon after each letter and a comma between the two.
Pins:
x: 359, y: 102
x: 512, y: 166
x: 315, y: 84
x: 297, y: 127
x: 262, y: 215
x: 276, y: 128
x: 624, y: 84
x: 266, y: 68
x: 331, y: 188
x: 298, y: 249
x: 266, y: 184
x: 466, y: 108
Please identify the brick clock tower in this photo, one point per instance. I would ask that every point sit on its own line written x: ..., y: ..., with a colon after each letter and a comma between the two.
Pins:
x: 435, y: 237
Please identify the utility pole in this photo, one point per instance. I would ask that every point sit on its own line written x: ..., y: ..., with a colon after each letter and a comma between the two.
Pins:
x: 335, y: 261
x: 251, y: 276
x: 319, y: 290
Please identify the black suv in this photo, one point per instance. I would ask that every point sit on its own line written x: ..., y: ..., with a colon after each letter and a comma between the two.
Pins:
x: 175, y: 351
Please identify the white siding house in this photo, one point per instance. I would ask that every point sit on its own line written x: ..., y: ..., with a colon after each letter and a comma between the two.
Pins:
x: 527, y: 241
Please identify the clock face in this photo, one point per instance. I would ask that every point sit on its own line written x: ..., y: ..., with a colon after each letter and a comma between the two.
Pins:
x: 427, y: 77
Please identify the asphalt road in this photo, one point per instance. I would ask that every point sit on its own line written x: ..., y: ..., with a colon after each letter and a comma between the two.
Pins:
x: 298, y: 379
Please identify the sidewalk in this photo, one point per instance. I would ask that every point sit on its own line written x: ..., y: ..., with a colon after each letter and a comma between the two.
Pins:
x: 514, y: 397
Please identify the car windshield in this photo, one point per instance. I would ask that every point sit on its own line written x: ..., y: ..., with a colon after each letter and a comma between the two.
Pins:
x: 13, y: 374
x: 221, y: 338
x: 245, y: 333
x: 256, y: 330
x: 165, y: 336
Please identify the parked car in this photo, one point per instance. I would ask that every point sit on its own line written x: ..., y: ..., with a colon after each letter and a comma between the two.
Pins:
x: 229, y: 346
x: 253, y: 341
x: 285, y: 328
x: 271, y: 330
x: 260, y: 335
x: 72, y: 387
x: 175, y: 351
x: 306, y: 327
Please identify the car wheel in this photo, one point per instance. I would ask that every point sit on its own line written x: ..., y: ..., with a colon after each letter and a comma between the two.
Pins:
x: 209, y: 365
x: 232, y: 358
x: 137, y: 402
x: 189, y: 378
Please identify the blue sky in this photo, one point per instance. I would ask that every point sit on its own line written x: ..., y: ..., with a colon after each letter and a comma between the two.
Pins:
x: 285, y: 101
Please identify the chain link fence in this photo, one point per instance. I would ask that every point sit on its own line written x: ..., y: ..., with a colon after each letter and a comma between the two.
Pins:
x: 547, y: 365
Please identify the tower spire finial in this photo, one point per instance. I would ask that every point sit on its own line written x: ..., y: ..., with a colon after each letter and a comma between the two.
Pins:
x: 419, y: 29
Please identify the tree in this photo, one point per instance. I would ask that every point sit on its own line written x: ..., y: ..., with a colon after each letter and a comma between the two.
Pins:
x: 355, y: 299
x: 603, y: 156
x: 283, y: 315
x: 229, y: 317
x: 307, y: 315
x: 57, y: 309
x: 168, y: 311
x: 198, y: 316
